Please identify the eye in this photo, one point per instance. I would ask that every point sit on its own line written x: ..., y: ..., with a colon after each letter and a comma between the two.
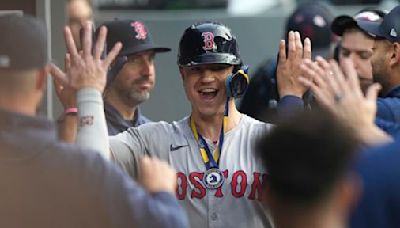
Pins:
x: 194, y: 69
x: 132, y: 59
x: 365, y: 55
x: 345, y: 52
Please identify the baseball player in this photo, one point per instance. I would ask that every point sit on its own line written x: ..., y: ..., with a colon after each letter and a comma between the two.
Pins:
x: 212, y: 149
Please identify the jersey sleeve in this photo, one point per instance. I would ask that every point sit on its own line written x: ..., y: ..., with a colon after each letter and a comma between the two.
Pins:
x: 129, y: 146
x: 126, y: 149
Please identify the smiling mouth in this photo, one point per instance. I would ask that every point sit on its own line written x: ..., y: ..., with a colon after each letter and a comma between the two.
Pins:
x: 208, y: 94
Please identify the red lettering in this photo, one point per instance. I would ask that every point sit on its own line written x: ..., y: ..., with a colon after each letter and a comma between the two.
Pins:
x: 199, y: 191
x: 243, y: 183
x: 181, y: 189
x: 219, y: 193
x: 256, y: 187
x: 208, y: 40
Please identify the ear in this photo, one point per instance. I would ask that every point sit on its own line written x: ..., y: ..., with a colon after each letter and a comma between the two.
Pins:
x: 181, y: 72
x: 41, y: 78
x: 395, y: 58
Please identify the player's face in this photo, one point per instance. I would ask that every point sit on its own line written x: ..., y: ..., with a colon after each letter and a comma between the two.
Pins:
x: 136, y: 79
x: 358, y: 47
x: 380, y: 63
x: 205, y: 87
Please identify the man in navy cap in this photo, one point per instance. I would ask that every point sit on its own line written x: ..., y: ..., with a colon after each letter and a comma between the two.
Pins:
x: 386, y: 63
x: 130, y: 79
x: 132, y: 76
x: 356, y: 44
x: 380, y: 202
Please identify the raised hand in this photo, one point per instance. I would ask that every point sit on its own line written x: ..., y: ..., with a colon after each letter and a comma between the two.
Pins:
x: 339, y: 91
x: 288, y: 69
x: 65, y: 93
x: 86, y: 69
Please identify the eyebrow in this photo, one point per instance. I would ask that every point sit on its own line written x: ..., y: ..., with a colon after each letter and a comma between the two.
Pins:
x: 357, y: 49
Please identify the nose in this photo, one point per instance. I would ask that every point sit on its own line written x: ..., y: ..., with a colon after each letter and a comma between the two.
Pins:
x: 207, y: 76
x: 147, y: 67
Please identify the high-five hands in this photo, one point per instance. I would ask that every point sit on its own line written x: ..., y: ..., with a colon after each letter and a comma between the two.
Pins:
x: 86, y: 69
x: 288, y: 69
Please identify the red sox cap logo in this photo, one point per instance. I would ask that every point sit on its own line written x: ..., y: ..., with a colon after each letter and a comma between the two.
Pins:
x: 140, y: 29
x: 209, y: 43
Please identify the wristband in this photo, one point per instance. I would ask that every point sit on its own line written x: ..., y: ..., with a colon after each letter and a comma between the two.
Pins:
x: 71, y: 111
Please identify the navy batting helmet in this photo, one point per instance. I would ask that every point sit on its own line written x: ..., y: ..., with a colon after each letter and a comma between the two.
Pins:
x: 208, y: 42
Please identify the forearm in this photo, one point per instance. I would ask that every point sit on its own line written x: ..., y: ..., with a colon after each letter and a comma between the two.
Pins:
x: 68, y: 128
x: 92, y: 127
x: 290, y: 106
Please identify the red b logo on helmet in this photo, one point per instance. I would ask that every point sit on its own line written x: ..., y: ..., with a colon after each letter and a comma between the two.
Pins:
x: 208, y: 41
x: 140, y: 30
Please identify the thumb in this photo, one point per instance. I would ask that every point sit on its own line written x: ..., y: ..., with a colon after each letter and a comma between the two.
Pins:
x: 372, y: 92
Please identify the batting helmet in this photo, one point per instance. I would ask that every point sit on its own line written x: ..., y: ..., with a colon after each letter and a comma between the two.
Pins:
x: 208, y: 42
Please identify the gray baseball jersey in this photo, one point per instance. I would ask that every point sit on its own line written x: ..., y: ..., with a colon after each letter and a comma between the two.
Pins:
x: 236, y: 203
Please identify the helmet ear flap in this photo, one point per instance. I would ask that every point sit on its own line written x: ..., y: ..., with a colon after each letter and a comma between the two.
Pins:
x: 237, y: 83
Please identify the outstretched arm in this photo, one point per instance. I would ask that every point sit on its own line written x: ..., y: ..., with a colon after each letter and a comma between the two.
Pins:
x: 86, y: 74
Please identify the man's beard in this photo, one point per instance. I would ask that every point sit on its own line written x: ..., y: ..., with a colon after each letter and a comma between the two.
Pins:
x: 137, y: 98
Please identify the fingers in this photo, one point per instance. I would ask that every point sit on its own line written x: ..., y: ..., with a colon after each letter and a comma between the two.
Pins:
x: 313, y: 72
x: 87, y: 40
x: 156, y: 175
x: 101, y: 39
x: 112, y: 54
x: 352, y: 77
x: 67, y: 62
x: 372, y: 92
x: 292, y: 46
x: 299, y: 45
x: 69, y: 41
x: 282, y: 51
x: 338, y: 78
x: 307, y: 48
x: 59, y: 76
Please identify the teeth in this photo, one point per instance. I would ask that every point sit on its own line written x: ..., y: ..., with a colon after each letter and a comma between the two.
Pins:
x: 208, y: 90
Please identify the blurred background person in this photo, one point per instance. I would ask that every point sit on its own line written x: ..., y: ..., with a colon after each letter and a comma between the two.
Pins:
x: 308, y: 183
x: 357, y: 44
x: 78, y: 12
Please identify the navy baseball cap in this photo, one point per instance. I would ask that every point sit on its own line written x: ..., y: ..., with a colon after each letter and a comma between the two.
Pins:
x: 344, y: 22
x: 388, y: 28
x: 23, y: 43
x: 133, y: 35
x: 312, y: 20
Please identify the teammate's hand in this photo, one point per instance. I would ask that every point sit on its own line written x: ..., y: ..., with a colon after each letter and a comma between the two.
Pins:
x: 65, y: 93
x: 339, y: 91
x: 87, y: 69
x: 288, y: 69
x: 157, y: 176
